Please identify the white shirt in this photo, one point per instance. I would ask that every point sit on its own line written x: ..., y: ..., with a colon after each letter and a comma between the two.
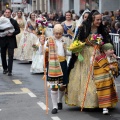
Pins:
x: 59, y: 47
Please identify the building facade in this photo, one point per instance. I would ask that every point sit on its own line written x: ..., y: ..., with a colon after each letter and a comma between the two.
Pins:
x: 61, y: 5
x: 4, y: 4
x: 40, y: 5
x: 77, y: 5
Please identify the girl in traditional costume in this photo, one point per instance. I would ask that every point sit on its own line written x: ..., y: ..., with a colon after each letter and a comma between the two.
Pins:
x: 37, y: 60
x: 57, y: 67
x: 21, y: 21
x: 105, y: 69
x: 25, y: 50
x: 78, y: 71
x: 69, y: 29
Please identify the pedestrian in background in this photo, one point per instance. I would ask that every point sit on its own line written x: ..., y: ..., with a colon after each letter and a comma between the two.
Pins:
x: 9, y: 43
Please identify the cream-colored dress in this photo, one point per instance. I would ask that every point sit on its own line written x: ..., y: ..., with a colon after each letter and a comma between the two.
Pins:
x: 78, y: 80
x: 19, y: 36
x: 25, y: 50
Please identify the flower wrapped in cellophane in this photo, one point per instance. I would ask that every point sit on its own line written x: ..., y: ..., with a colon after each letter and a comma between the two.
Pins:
x: 42, y: 23
x: 76, y: 47
x: 96, y: 39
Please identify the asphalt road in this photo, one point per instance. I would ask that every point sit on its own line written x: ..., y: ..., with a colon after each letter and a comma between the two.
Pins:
x: 22, y: 97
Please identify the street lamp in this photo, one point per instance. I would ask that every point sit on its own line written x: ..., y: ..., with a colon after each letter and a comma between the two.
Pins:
x: 7, y: 5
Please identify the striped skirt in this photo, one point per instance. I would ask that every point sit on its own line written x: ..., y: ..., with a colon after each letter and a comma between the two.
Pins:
x: 107, y: 96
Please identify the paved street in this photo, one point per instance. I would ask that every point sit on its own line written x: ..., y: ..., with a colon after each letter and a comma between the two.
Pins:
x: 22, y: 97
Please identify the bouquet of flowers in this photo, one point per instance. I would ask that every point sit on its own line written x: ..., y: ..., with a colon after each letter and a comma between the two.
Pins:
x: 35, y: 47
x: 96, y: 39
x: 76, y: 47
x: 42, y: 24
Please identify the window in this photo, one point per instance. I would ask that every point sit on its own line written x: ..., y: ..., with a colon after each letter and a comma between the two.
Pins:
x: 91, y: 4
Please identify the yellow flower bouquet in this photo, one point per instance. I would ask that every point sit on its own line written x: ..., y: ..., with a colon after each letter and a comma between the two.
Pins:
x: 76, y: 47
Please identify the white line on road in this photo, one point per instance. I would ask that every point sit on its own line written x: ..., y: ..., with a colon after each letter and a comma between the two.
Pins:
x: 42, y: 105
x: 12, y: 93
x: 17, y: 82
x: 26, y: 90
x: 56, y: 118
x: 32, y: 95
x: 0, y: 109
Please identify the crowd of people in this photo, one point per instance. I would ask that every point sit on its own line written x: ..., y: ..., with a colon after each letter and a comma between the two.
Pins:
x: 42, y: 37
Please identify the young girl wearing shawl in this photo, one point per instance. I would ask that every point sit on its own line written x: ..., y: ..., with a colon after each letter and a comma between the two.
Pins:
x: 105, y: 69
x: 57, y: 67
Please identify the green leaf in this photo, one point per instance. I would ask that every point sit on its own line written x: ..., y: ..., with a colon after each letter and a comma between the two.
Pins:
x: 80, y: 57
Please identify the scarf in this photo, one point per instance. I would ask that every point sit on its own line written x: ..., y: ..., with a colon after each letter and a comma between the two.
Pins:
x: 54, y: 69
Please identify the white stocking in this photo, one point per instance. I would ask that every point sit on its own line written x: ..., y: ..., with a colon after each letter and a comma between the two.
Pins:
x: 54, y: 95
x: 60, y: 96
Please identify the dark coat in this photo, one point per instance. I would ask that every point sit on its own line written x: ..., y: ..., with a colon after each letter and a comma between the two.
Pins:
x: 10, y: 41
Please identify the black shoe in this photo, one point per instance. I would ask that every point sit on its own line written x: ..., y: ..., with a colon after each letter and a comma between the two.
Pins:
x: 9, y: 74
x: 54, y: 111
x: 60, y: 106
x: 5, y: 71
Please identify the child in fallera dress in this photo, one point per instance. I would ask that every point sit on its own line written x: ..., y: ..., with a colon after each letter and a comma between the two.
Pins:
x: 38, y: 58
x: 57, y: 67
x: 105, y: 70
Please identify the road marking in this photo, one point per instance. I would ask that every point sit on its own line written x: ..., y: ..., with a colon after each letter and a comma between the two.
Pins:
x: 0, y: 109
x: 17, y: 82
x: 42, y: 105
x: 12, y: 93
x: 55, y: 118
x: 32, y: 95
x: 26, y: 90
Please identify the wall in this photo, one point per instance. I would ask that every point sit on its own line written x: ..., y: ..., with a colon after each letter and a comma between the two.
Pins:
x: 109, y: 5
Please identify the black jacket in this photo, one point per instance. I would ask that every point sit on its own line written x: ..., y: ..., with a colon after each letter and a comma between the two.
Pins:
x: 10, y: 41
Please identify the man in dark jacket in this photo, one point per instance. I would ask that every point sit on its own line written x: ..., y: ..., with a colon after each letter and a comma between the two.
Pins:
x: 9, y: 43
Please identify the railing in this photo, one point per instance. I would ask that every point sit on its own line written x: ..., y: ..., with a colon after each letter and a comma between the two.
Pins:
x: 116, y: 41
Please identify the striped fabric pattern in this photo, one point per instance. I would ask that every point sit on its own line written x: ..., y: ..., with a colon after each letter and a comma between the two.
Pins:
x: 106, y: 92
x: 54, y: 68
x: 104, y: 81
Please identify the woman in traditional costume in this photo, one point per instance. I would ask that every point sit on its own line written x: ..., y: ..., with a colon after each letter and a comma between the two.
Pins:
x: 78, y: 71
x: 57, y: 67
x: 105, y: 70
x: 69, y: 29
x: 21, y: 21
x: 25, y: 50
